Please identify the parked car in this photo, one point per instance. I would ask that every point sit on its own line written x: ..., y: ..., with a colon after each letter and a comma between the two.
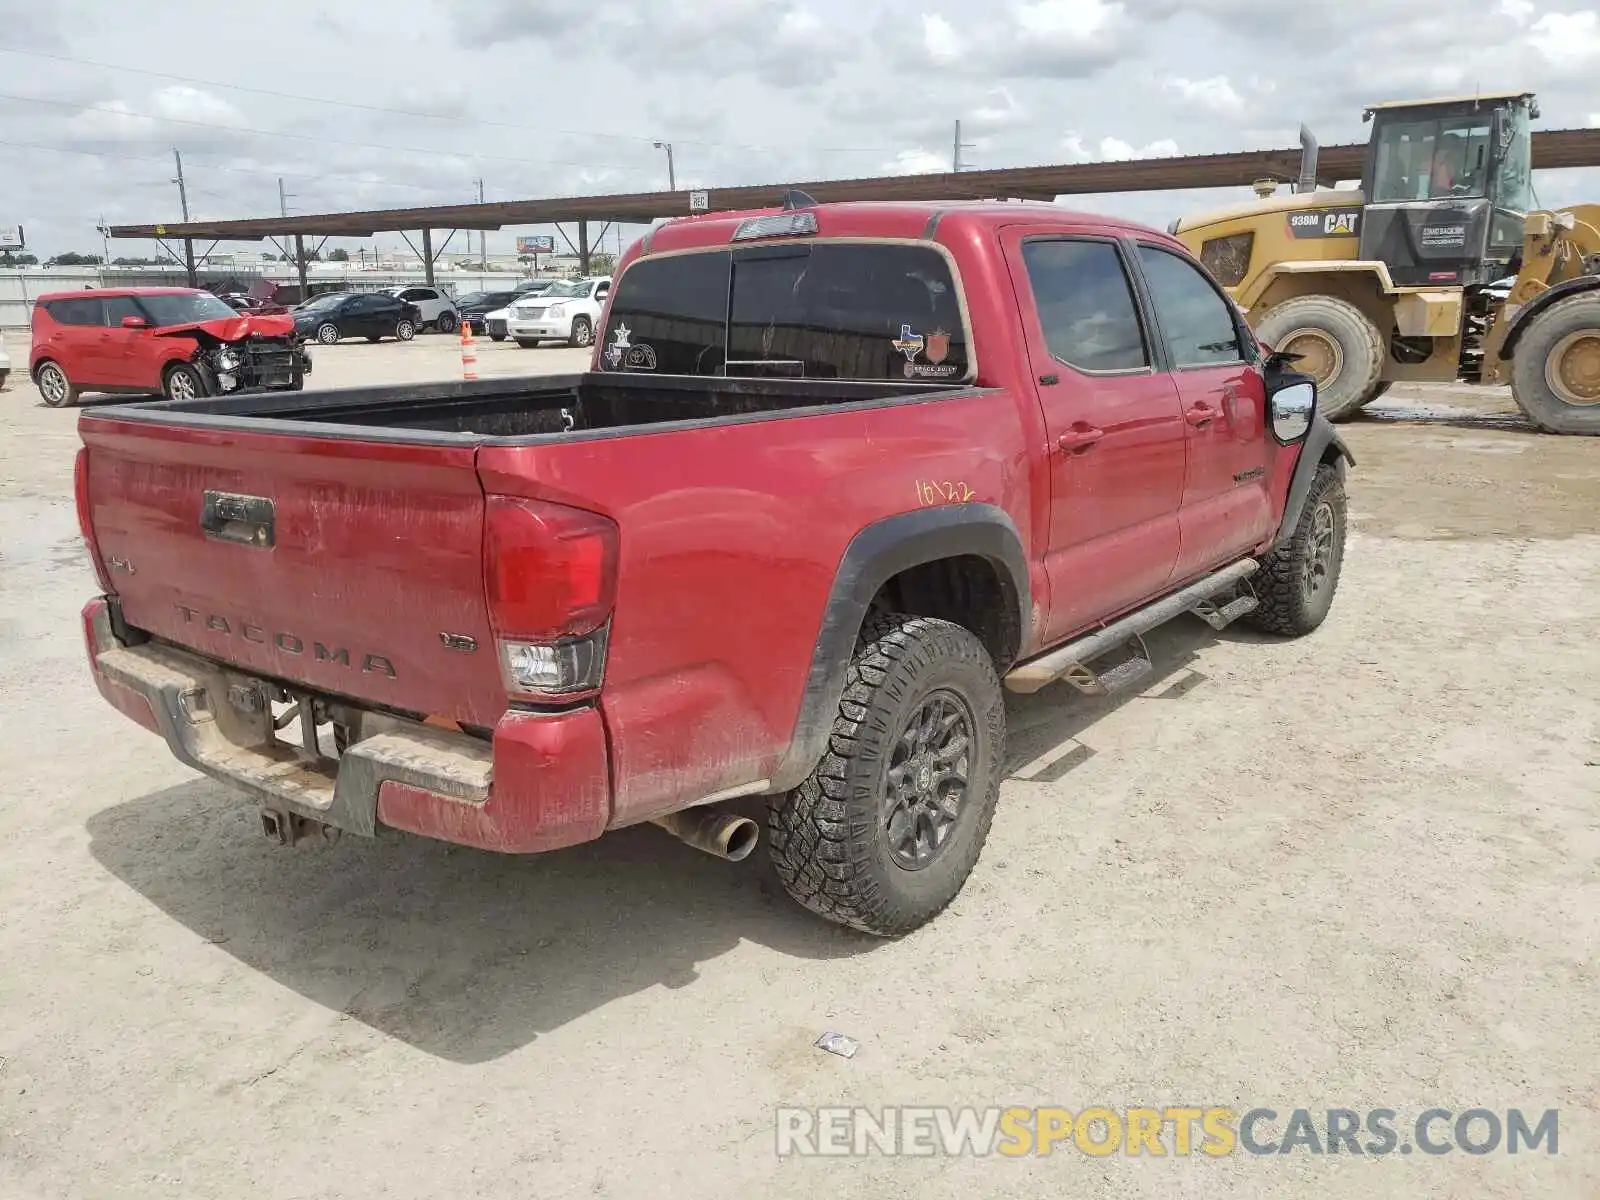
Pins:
x: 474, y: 309
x: 568, y: 310
x: 334, y: 316
x: 5, y: 364
x: 240, y: 302
x: 177, y: 342
x: 1039, y: 434
x: 434, y: 304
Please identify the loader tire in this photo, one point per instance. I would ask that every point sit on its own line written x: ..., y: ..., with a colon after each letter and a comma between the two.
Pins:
x: 887, y: 828
x: 1555, y: 373
x: 1342, y: 350
x: 1296, y: 583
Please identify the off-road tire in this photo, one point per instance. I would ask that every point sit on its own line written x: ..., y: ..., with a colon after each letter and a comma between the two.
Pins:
x: 582, y: 332
x: 1378, y: 389
x: 446, y: 322
x: 1360, y: 346
x: 1531, y: 368
x: 828, y: 838
x: 1288, y: 603
x: 64, y: 395
x: 183, y: 382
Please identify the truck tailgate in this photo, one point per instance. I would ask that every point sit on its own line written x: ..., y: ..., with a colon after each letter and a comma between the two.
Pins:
x: 349, y: 566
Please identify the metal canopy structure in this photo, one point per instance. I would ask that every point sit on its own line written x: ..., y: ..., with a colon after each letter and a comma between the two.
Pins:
x: 1551, y: 149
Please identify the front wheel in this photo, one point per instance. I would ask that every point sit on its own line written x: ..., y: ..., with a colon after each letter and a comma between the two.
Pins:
x: 404, y: 330
x: 887, y: 828
x: 54, y: 387
x: 1555, y: 375
x: 182, y: 382
x: 327, y: 333
x: 528, y: 343
x: 1296, y: 582
x: 446, y: 322
x: 582, y: 332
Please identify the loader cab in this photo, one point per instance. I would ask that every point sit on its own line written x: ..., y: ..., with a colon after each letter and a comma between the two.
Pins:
x: 1448, y: 183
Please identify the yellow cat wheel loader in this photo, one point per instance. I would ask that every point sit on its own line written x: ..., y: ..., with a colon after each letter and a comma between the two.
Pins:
x: 1440, y: 268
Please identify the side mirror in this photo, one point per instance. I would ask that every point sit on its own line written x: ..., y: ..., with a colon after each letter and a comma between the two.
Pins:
x: 134, y: 323
x: 1292, y: 408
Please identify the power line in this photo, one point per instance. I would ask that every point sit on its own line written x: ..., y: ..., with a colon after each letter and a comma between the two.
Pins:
x: 305, y: 137
x: 406, y: 112
x: 215, y: 166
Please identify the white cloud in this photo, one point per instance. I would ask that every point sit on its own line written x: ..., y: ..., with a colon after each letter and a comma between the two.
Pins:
x: 1073, y: 20
x: 1114, y: 149
x: 1518, y: 10
x: 939, y: 39
x: 916, y: 162
x: 1000, y: 110
x: 192, y: 104
x: 1215, y: 94
x: 1567, y: 39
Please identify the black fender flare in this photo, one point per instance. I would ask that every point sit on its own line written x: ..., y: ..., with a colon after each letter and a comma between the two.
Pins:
x: 875, y: 555
x: 1322, y: 444
x: 1539, y: 304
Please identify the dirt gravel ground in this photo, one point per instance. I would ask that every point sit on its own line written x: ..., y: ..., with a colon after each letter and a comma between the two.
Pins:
x: 1358, y: 870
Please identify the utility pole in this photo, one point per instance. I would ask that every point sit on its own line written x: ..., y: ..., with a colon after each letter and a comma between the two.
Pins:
x: 672, y: 177
x: 283, y: 200
x: 483, y: 253
x: 955, y: 158
x: 183, y: 201
x: 183, y: 193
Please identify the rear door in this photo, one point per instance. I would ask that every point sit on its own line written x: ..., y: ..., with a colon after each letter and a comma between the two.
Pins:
x: 1227, y: 503
x: 79, y: 344
x: 346, y: 565
x: 1115, y: 434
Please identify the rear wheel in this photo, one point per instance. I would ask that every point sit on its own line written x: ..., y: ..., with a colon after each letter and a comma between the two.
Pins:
x: 446, y: 322
x: 1337, y: 345
x: 528, y: 343
x: 497, y: 337
x: 884, y: 833
x: 404, y: 330
x: 582, y: 332
x: 327, y: 333
x: 1555, y: 375
x: 54, y: 387
x: 182, y: 382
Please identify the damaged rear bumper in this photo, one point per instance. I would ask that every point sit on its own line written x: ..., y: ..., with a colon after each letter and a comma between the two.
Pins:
x: 542, y: 783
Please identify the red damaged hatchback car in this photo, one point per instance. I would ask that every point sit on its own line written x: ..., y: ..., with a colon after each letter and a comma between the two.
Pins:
x: 177, y: 342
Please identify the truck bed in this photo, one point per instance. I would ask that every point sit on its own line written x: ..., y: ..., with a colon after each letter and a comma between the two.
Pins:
x: 533, y: 406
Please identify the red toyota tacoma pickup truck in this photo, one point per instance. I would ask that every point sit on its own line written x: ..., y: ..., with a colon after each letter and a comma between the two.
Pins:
x: 838, y: 475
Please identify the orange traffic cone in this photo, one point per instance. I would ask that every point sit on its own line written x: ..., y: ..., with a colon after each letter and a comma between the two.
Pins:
x: 469, y: 352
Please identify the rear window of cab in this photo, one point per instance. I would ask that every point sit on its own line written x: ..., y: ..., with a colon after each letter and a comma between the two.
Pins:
x: 813, y: 310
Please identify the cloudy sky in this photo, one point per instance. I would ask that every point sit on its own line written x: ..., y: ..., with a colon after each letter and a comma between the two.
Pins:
x: 412, y: 101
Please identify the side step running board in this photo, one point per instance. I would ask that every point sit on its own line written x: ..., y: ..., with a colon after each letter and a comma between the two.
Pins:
x: 1071, y: 661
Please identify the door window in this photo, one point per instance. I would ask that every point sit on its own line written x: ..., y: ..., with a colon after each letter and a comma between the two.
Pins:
x: 1085, y: 304
x: 118, y: 307
x: 85, y: 311
x: 1196, y: 318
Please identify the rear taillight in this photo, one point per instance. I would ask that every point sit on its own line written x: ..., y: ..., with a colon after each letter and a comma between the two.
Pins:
x: 80, y: 491
x: 551, y: 578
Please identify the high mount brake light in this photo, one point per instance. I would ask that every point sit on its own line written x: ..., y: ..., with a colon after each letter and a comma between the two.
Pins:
x: 550, y: 575
x: 789, y: 224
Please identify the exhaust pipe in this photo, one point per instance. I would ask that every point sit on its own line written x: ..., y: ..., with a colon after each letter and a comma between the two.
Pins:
x: 1308, y: 162
x: 718, y: 833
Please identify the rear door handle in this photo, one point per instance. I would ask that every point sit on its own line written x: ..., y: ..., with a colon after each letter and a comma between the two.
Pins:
x: 1200, y: 415
x: 1080, y: 437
